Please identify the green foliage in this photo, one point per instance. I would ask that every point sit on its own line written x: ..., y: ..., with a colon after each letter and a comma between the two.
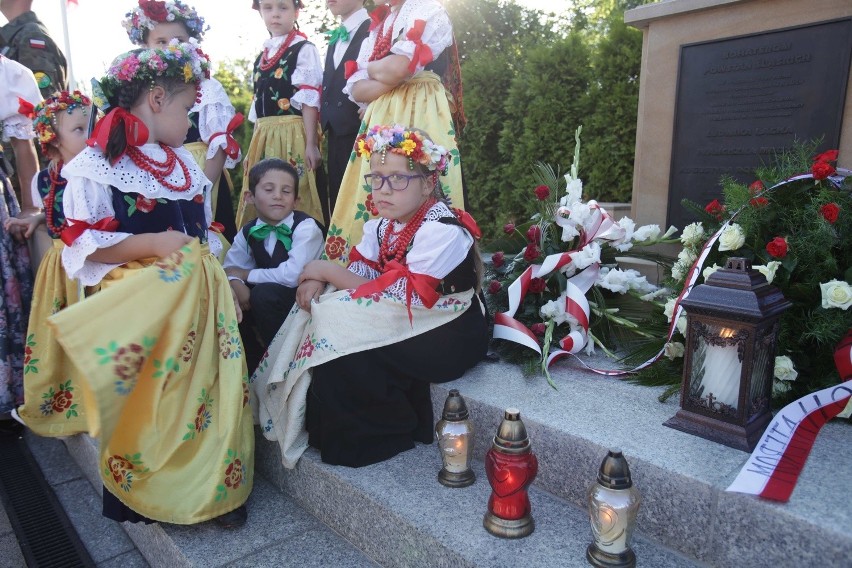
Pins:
x: 235, y: 77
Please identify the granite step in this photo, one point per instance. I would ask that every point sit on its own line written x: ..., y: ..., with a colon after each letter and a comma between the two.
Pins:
x: 278, y: 533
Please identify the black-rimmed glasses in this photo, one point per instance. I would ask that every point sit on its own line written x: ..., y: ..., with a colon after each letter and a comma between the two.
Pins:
x: 397, y: 182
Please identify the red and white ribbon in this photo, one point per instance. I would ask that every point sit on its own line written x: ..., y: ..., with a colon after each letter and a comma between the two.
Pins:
x: 773, y: 469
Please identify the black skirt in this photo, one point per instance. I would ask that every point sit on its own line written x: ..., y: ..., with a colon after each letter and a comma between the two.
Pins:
x: 367, y: 407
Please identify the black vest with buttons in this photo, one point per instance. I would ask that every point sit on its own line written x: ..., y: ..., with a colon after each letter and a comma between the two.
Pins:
x: 273, y: 89
x: 337, y: 111
x: 279, y: 254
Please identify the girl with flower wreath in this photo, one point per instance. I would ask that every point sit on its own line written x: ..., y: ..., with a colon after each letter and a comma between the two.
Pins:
x: 53, y: 404
x: 285, y: 108
x: 213, y: 119
x: 165, y: 379
x: 406, y: 313
x: 407, y: 71
x: 16, y: 83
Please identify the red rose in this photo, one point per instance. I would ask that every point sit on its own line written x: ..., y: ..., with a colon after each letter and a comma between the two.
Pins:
x: 542, y: 192
x: 534, y: 234
x: 830, y: 211
x: 822, y: 170
x: 197, y: 199
x: 62, y: 400
x: 537, y: 286
x: 532, y: 252
x: 494, y: 286
x: 715, y: 209
x: 509, y: 228
x: 154, y: 9
x: 118, y: 466
x: 777, y: 247
x: 498, y: 259
x: 144, y: 204
x: 758, y: 202
x: 827, y: 156
x: 368, y: 204
x: 335, y: 247
x: 128, y: 361
x: 538, y: 329
x: 234, y: 474
x: 756, y: 187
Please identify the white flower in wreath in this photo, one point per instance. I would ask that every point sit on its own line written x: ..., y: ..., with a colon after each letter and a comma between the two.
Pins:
x: 681, y: 325
x: 686, y: 257
x: 588, y: 255
x: 709, y: 270
x: 731, y: 238
x: 555, y: 310
x: 654, y: 294
x: 784, y: 369
x: 574, y: 191
x: 673, y: 350
x: 668, y: 310
x: 669, y: 232
x: 614, y: 280
x: 645, y: 233
x: 768, y: 270
x: 692, y: 235
x: 679, y: 271
x: 623, y: 244
x: 780, y: 387
x: 836, y: 294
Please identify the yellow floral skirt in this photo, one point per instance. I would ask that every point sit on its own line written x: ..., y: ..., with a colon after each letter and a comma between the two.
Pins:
x: 280, y: 137
x: 53, y: 400
x: 166, y: 382
x: 420, y: 102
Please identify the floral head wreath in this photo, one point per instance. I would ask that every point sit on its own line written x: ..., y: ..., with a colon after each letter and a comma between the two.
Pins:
x: 183, y: 61
x: 398, y: 140
x: 149, y: 13
x: 44, y: 114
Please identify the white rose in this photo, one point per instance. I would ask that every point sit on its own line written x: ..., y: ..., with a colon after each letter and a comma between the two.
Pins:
x: 731, y: 238
x: 646, y: 233
x: 768, y: 270
x: 668, y: 310
x: 681, y: 325
x: 678, y: 271
x: 686, y: 256
x: 780, y: 387
x: 836, y: 294
x: 693, y: 235
x: 784, y: 369
x: 710, y: 270
x: 673, y: 350
x: 588, y: 255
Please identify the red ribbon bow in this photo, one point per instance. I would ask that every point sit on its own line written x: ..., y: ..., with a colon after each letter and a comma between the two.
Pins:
x: 232, y: 148
x: 422, y: 52
x: 424, y: 285
x: 217, y: 227
x: 134, y: 129
x: 75, y: 228
x: 349, y: 68
x: 378, y: 16
x: 26, y: 108
x: 468, y: 222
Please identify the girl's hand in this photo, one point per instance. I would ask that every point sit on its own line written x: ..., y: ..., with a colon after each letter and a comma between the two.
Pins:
x: 23, y: 225
x: 313, y: 158
x: 237, y: 307
x: 167, y: 242
x: 314, y: 270
x: 307, y: 291
x: 242, y: 295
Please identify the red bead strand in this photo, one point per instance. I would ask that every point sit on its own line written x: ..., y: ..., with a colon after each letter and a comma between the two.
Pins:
x: 160, y: 170
x: 266, y: 62
x: 383, y: 41
x: 56, y: 182
x: 396, y: 252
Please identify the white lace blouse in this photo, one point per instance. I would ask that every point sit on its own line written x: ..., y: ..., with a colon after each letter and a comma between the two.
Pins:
x: 16, y: 81
x: 215, y: 111
x: 308, y: 72
x: 88, y: 198
x: 437, y: 34
x: 437, y: 250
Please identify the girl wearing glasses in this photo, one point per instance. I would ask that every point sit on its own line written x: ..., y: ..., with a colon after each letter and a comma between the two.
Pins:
x: 405, y: 314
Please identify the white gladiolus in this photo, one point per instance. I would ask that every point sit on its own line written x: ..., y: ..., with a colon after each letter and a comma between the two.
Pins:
x: 645, y: 233
x: 836, y: 294
x: 768, y: 270
x: 731, y: 238
x: 784, y: 369
x: 574, y: 191
x: 588, y: 255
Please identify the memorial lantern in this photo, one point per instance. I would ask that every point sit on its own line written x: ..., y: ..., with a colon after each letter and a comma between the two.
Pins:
x: 455, y: 440
x: 613, y: 505
x: 733, y: 321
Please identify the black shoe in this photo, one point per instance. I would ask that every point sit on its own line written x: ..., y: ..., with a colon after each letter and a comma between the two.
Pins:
x: 233, y: 520
x: 10, y: 427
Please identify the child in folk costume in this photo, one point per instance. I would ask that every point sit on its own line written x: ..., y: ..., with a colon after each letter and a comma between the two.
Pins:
x: 154, y: 24
x: 157, y: 346
x: 53, y: 404
x: 269, y: 253
x: 16, y: 131
x: 407, y: 71
x: 406, y: 314
x: 285, y: 107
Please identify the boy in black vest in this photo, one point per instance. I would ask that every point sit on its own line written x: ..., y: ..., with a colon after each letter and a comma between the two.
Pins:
x: 338, y: 115
x: 269, y: 253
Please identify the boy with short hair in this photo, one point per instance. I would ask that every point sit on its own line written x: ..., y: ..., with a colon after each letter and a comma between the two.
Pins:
x: 269, y: 253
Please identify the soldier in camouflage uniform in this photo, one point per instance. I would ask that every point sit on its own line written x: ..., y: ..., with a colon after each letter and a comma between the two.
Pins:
x: 26, y: 40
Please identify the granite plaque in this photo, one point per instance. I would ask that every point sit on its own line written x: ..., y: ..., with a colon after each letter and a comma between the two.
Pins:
x: 743, y: 99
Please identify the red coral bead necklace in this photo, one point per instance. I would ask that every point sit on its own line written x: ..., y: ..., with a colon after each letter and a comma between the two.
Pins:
x: 56, y: 181
x: 160, y: 170
x: 383, y: 42
x: 266, y: 62
x: 396, y: 251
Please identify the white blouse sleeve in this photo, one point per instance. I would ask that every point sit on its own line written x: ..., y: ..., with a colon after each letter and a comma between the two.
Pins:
x: 88, y: 201
x: 18, y: 82
x: 438, y: 249
x: 35, y: 194
x: 437, y: 33
x: 369, y: 249
x: 307, y: 78
x: 215, y: 111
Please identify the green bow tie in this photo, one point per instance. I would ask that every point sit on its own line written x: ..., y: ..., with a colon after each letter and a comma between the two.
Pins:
x: 339, y: 34
x: 282, y: 233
